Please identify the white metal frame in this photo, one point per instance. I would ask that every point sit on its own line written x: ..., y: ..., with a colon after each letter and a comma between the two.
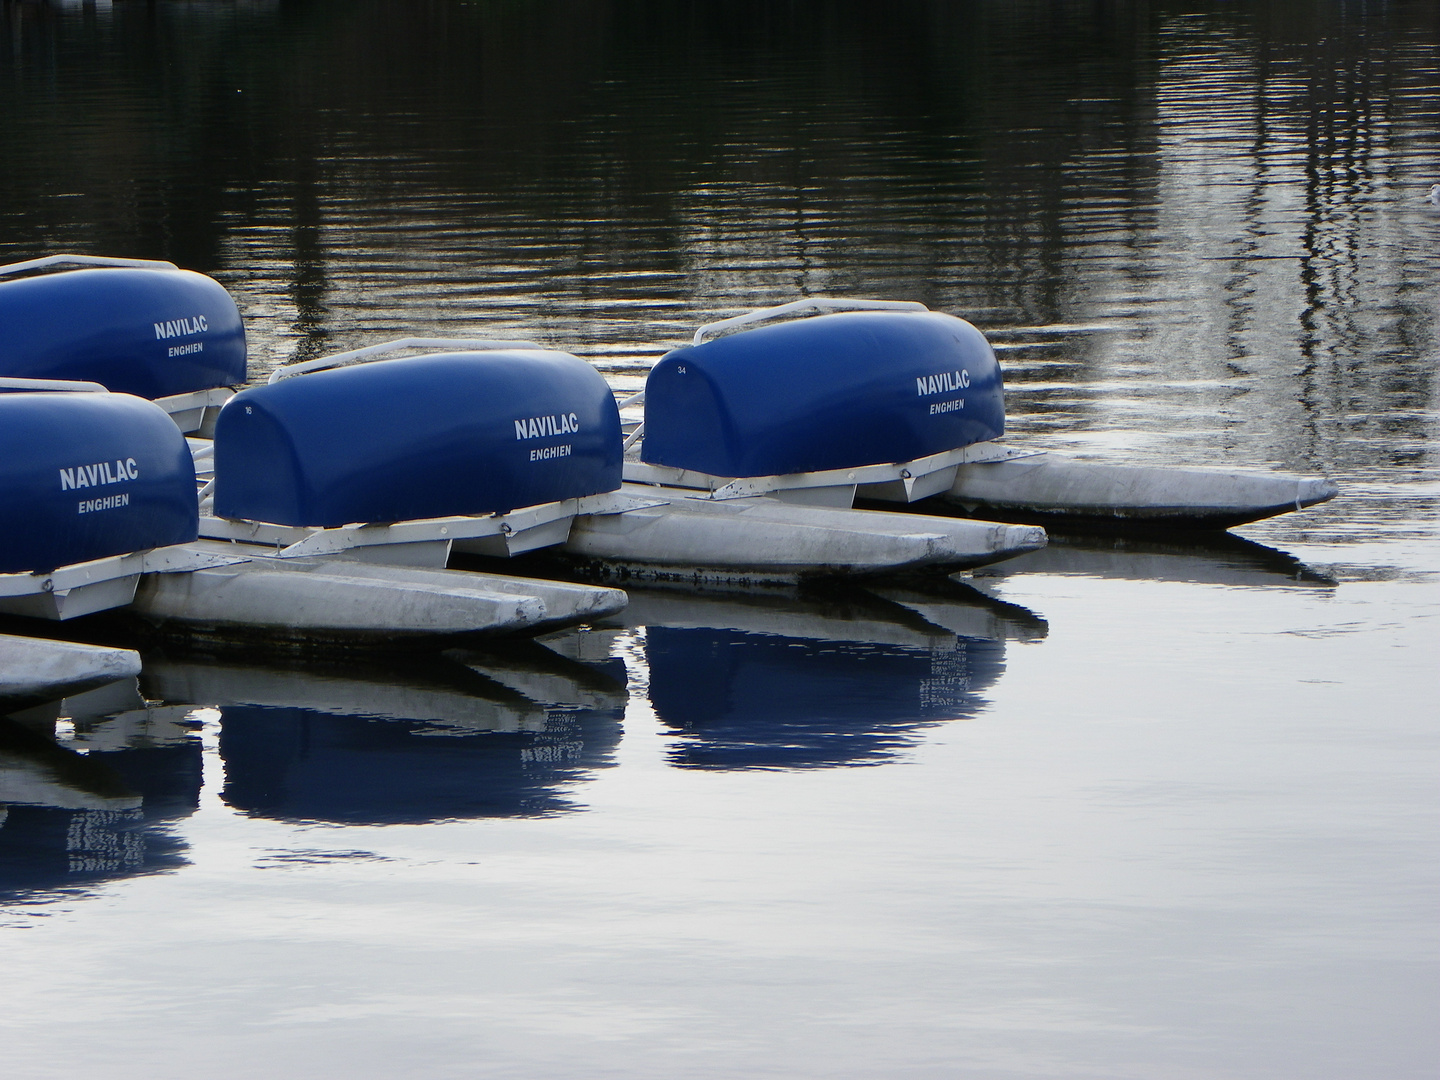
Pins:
x: 48, y: 261
x: 800, y: 309
x: 68, y: 386
x: 192, y: 410
x: 296, y: 541
x: 907, y: 474
x: 98, y: 584
x: 371, y: 352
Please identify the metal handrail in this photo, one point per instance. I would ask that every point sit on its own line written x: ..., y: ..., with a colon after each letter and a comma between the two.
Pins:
x: 74, y: 386
x: 356, y: 356
x: 85, y: 260
x: 637, y: 398
x: 812, y: 305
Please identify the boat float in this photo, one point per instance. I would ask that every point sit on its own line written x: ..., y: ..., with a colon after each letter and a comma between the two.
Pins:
x: 829, y: 401
x: 37, y: 670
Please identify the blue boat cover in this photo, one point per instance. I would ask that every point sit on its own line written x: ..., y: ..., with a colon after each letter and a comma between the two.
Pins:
x: 427, y: 436
x: 830, y: 392
x: 153, y: 333
x: 84, y: 476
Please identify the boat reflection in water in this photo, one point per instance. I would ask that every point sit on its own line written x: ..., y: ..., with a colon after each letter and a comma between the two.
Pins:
x: 1205, y: 559
x: 90, y: 788
x: 751, y: 683
x: 756, y: 685
x: 462, y: 736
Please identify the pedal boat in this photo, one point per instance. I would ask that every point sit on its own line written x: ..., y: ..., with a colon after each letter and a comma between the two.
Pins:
x: 836, y: 400
x: 98, y: 512
x: 436, y: 448
x: 176, y: 337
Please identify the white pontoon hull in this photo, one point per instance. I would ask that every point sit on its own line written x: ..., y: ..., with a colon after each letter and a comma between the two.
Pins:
x: 35, y: 670
x: 245, y: 590
x: 1060, y: 491
x: 1001, y: 483
x: 336, y: 601
x: 762, y: 540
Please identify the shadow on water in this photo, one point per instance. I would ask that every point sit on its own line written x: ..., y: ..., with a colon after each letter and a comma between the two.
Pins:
x: 90, y: 789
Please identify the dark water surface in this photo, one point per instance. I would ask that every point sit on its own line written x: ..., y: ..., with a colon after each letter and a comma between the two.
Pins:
x: 1115, y: 809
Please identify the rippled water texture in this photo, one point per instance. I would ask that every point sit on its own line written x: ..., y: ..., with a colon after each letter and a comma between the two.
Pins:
x: 1115, y: 809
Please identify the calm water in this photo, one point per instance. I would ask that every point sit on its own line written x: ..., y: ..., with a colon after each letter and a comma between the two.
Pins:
x: 1112, y: 810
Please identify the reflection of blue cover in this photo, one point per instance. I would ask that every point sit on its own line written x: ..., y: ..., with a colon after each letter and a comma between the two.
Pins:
x: 763, y: 701
x: 300, y: 764
x: 168, y: 778
x: 47, y: 848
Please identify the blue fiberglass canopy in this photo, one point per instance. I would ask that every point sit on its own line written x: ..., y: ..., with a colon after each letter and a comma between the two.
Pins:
x: 149, y: 332
x: 422, y: 437
x: 85, y: 476
x: 832, y: 392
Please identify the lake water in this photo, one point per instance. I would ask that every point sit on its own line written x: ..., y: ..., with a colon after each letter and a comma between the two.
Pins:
x: 1114, y: 809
